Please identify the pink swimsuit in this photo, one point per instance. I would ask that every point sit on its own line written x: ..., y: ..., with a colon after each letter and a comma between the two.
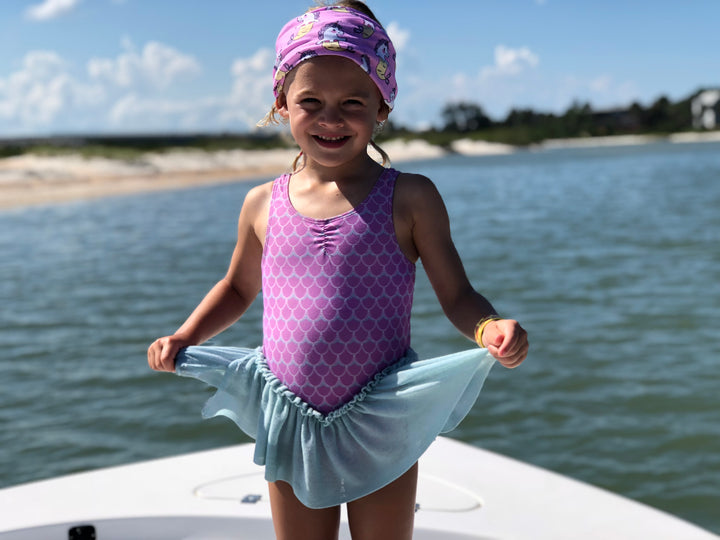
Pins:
x: 337, y: 296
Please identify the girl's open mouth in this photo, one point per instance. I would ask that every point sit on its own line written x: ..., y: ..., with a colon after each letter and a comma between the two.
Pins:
x: 331, y: 142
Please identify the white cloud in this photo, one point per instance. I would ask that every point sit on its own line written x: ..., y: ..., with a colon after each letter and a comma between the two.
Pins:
x: 157, y: 66
x: 511, y: 62
x: 129, y: 92
x: 398, y: 36
x: 510, y: 81
x: 245, y: 102
x: 50, y: 9
x: 251, y: 95
x: 41, y: 90
x: 256, y: 64
x: 601, y: 84
x: 136, y: 112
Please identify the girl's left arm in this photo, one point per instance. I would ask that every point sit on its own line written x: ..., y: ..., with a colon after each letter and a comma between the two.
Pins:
x: 427, y: 233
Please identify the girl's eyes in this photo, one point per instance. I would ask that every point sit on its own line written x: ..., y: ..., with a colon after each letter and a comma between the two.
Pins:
x: 347, y: 102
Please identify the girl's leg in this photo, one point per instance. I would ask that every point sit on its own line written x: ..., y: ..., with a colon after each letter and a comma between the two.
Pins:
x: 295, y: 521
x: 387, y: 514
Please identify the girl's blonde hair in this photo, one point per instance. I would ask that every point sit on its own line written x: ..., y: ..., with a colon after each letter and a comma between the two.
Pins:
x: 271, y: 118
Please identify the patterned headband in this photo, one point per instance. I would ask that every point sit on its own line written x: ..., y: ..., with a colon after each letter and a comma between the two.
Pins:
x: 337, y: 31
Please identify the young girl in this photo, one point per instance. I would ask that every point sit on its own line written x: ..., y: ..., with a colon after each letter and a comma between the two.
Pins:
x: 339, y: 405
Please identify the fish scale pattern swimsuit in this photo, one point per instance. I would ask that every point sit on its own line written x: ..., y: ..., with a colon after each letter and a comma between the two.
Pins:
x: 337, y: 296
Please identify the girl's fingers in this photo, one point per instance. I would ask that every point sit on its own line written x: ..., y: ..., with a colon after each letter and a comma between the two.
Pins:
x: 509, y: 343
x: 161, y: 355
x: 513, y: 349
x: 151, y: 356
x: 167, y: 357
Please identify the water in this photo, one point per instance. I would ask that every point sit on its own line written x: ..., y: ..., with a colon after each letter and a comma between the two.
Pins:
x: 609, y: 257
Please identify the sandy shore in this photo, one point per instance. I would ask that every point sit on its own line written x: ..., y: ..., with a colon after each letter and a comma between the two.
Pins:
x: 29, y: 179
x: 629, y: 140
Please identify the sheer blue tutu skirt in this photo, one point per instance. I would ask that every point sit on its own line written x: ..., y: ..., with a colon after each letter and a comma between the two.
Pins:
x: 330, y: 459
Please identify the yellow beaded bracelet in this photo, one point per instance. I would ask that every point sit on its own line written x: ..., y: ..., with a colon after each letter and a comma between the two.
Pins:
x: 480, y: 327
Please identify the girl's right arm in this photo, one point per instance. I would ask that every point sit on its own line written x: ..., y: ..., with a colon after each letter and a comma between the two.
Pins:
x: 232, y: 295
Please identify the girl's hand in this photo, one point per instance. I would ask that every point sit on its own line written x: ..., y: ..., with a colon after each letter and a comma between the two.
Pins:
x: 161, y: 354
x: 507, y: 341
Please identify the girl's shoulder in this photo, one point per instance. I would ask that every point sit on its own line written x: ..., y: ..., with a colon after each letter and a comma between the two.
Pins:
x: 416, y: 201
x: 257, y: 201
x: 261, y: 189
x: 259, y: 195
x: 415, y: 190
x: 412, y: 179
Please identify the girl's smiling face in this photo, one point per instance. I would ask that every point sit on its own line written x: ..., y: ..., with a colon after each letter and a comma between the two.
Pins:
x: 332, y: 106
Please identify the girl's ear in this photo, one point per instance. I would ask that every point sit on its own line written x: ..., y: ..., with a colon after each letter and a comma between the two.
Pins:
x: 383, y: 112
x: 281, y: 106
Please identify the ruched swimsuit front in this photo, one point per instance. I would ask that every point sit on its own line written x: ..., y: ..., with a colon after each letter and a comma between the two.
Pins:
x: 337, y: 296
x: 337, y: 401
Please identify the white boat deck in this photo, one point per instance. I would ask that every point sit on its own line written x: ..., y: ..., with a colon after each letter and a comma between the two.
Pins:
x: 464, y: 493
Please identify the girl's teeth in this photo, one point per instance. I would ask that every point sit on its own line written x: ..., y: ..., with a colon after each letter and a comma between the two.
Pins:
x: 330, y: 138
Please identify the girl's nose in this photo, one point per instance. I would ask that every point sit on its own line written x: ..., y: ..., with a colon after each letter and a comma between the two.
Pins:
x: 331, y: 116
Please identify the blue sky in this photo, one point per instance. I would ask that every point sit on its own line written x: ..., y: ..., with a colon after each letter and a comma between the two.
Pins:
x: 143, y: 66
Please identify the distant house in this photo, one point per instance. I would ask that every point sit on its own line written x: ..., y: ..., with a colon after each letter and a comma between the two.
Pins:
x: 706, y: 109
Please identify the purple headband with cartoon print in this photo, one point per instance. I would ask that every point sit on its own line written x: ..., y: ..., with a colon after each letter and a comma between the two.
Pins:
x: 339, y: 31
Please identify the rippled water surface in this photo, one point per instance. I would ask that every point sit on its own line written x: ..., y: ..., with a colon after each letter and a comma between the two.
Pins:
x: 609, y: 257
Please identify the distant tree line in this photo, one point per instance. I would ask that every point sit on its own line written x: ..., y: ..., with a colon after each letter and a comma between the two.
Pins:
x: 526, y: 126
x: 132, y: 146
